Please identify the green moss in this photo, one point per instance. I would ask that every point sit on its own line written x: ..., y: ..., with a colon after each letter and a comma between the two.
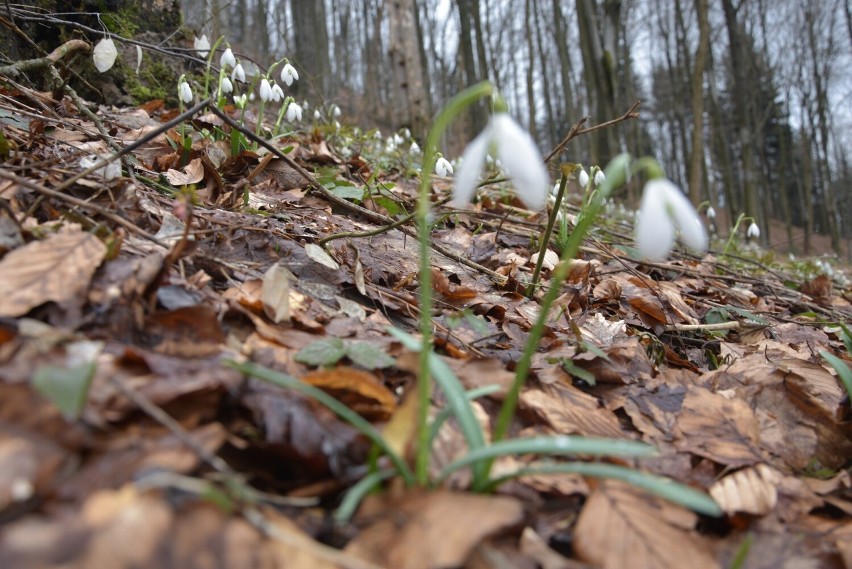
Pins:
x: 124, y: 22
x: 156, y: 80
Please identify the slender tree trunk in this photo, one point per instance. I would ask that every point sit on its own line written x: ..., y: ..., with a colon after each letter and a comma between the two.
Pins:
x: 565, y: 67
x: 531, y: 106
x: 410, y: 99
x: 467, y: 49
x: 696, y: 157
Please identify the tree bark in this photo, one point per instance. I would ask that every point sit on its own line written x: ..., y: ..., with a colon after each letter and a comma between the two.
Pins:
x: 410, y: 99
x: 696, y: 157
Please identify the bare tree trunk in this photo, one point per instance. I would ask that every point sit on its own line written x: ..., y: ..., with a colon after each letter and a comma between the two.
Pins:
x: 565, y: 67
x: 466, y: 47
x: 530, y: 69
x: 410, y: 100
x: 311, y: 46
x: 696, y: 157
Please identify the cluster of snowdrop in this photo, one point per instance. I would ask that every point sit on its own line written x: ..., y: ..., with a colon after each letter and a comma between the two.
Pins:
x: 664, y: 213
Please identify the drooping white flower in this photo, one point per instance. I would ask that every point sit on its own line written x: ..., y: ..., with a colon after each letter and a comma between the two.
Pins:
x: 398, y: 140
x: 277, y: 92
x: 201, y: 45
x: 240, y: 100
x: 185, y: 92
x: 104, y: 55
x: 555, y: 189
x: 228, y: 59
x: 289, y: 74
x: 414, y: 148
x: 600, y: 178
x: 294, y: 112
x: 518, y: 154
x: 583, y: 178
x: 663, y: 211
x: 711, y: 213
x: 443, y: 167
x: 226, y: 85
x: 265, y: 90
x: 753, y: 231
x: 317, y: 115
x: 238, y: 73
x: 335, y: 111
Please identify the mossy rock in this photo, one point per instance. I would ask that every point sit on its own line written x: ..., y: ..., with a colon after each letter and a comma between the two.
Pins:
x: 146, y: 21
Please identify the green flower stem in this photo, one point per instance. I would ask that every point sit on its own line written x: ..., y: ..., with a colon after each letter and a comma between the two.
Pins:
x: 545, y: 240
x: 615, y: 173
x: 733, y: 234
x: 210, y: 55
x: 424, y: 385
x: 281, y: 113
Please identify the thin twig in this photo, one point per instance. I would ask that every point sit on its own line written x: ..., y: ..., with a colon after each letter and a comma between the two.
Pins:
x: 577, y: 130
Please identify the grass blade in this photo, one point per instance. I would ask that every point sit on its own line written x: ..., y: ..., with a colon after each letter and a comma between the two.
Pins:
x: 333, y: 404
x: 843, y: 371
x: 672, y: 491
x: 356, y: 494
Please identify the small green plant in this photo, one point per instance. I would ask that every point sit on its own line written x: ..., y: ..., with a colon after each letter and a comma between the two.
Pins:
x: 520, y: 158
x: 843, y: 371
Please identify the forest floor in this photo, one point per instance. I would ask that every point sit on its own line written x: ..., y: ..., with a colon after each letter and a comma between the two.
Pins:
x: 128, y: 440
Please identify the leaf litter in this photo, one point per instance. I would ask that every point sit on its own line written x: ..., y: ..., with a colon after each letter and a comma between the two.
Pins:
x: 173, y: 459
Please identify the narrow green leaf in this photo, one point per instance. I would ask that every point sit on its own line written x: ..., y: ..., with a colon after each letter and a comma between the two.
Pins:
x: 560, y: 445
x: 324, y: 352
x: 846, y: 336
x: 67, y: 388
x: 750, y: 315
x: 444, y: 414
x: 578, y: 372
x: 348, y: 192
x: 672, y: 491
x: 356, y: 494
x: 332, y: 404
x: 843, y: 371
x: 368, y: 356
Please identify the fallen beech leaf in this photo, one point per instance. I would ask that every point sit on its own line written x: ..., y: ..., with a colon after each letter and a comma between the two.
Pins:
x: 723, y: 430
x: 360, y: 390
x: 191, y: 174
x: 623, y: 527
x: 751, y: 490
x: 432, y: 530
x: 319, y: 255
x: 275, y: 294
x: 56, y: 269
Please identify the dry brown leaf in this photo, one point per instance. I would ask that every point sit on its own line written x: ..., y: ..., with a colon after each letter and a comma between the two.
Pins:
x: 360, y: 390
x: 720, y: 429
x: 56, y: 269
x: 275, y: 294
x: 433, y: 530
x: 568, y: 411
x: 622, y: 527
x: 751, y: 490
x: 191, y: 174
x: 534, y: 546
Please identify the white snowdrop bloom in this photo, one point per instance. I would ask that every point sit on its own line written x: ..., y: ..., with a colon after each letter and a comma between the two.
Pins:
x: 753, y: 231
x: 414, y: 148
x: 398, y: 140
x: 305, y: 105
x: 240, y: 100
x: 600, y: 178
x: 238, y: 74
x: 228, y: 59
x: 104, y: 55
x: 335, y: 111
x: 663, y: 211
x: 443, y: 167
x: 277, y: 92
x: 336, y: 125
x: 518, y: 154
x: 555, y: 189
x: 226, y: 85
x: 317, y: 115
x: 289, y: 74
x: 711, y: 213
x: 583, y: 178
x: 201, y: 45
x: 185, y: 92
x: 294, y: 112
x: 265, y: 90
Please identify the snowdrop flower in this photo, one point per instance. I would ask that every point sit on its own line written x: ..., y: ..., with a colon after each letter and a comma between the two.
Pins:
x: 238, y: 74
x: 665, y: 209
x: 336, y: 125
x: 443, y: 167
x: 240, y: 100
x: 753, y: 231
x: 398, y: 140
x: 228, y: 59
x: 201, y: 45
x: 277, y: 92
x: 414, y: 148
x: 335, y: 111
x: 185, y: 92
x: 600, y: 178
x: 294, y: 112
x: 583, y: 178
x: 289, y: 74
x: 226, y: 85
x: 555, y: 189
x: 519, y: 155
x: 317, y: 115
x: 265, y: 90
x: 711, y: 213
x: 305, y: 105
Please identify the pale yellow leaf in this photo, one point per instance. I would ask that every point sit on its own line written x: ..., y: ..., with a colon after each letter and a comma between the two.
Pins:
x: 319, y: 255
x: 751, y: 490
x: 275, y: 294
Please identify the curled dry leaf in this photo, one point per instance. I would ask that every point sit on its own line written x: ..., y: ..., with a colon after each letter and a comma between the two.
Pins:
x: 751, y: 490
